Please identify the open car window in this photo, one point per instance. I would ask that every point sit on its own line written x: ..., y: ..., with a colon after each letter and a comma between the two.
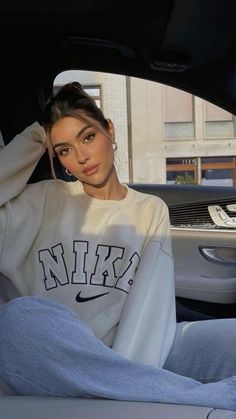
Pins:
x: 167, y: 136
x: 164, y: 135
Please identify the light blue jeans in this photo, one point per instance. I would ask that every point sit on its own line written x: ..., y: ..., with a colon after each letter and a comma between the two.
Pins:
x: 46, y: 350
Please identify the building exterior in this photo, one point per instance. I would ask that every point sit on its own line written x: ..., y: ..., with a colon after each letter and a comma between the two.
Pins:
x: 164, y: 135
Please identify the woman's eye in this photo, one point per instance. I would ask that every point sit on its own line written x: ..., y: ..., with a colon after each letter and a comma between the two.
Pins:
x: 64, y: 151
x: 89, y: 138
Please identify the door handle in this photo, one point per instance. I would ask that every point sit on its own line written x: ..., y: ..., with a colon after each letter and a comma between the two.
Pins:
x: 212, y: 254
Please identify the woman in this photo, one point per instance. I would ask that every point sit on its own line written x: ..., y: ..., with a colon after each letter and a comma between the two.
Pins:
x: 93, y: 265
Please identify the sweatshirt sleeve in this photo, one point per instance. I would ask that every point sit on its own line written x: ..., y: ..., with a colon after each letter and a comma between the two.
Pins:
x: 148, y: 321
x: 18, y: 160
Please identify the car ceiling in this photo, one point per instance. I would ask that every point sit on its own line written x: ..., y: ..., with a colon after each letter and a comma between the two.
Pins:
x: 188, y: 44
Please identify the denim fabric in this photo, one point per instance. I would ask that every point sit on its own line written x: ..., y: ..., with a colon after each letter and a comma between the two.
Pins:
x: 46, y: 350
x: 204, y: 350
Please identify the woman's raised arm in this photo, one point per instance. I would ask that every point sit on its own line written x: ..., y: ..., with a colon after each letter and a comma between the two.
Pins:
x: 18, y: 160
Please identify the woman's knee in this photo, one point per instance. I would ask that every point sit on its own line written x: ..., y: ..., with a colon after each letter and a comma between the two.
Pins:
x: 11, y: 313
x: 28, y: 315
x: 17, y: 311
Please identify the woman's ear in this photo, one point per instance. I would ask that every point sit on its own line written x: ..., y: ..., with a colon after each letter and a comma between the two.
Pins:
x: 111, y: 128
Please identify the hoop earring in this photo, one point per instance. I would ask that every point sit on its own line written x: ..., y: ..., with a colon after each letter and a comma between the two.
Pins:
x: 114, y: 146
x: 68, y: 173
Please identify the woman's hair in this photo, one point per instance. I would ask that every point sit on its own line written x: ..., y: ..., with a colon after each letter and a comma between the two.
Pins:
x: 71, y: 101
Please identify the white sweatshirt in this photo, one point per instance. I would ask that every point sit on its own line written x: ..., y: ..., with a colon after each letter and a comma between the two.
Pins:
x: 110, y: 261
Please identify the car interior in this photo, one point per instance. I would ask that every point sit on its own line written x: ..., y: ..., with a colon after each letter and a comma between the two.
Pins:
x: 184, y: 44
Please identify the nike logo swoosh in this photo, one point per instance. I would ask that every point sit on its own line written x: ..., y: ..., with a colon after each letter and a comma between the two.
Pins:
x: 80, y: 299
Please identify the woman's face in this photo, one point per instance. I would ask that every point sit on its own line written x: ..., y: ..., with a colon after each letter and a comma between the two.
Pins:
x: 83, y: 150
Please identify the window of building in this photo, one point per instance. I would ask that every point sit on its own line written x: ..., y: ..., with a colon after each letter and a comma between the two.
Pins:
x: 95, y: 93
x: 218, y: 122
x: 218, y: 171
x: 178, y: 113
x: 211, y: 171
x: 181, y: 171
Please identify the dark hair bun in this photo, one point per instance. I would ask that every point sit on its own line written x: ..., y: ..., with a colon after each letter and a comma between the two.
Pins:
x: 73, y: 90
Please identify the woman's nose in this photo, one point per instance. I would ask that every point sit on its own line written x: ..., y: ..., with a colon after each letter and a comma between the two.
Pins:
x: 82, y: 155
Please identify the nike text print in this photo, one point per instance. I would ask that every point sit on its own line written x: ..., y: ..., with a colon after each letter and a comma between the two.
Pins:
x: 104, y: 273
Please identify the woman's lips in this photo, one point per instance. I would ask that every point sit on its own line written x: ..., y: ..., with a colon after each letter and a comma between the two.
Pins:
x: 90, y: 170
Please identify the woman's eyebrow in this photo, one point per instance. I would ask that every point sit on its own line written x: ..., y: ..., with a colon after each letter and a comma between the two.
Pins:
x: 62, y: 144
x: 82, y: 130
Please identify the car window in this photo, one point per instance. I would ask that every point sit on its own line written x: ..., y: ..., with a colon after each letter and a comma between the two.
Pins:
x: 164, y: 135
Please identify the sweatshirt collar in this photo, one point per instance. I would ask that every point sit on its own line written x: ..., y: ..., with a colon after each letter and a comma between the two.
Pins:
x: 102, y: 202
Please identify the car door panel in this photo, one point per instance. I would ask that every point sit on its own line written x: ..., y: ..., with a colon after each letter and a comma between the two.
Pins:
x: 64, y: 408
x: 204, y: 253
x: 201, y: 277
